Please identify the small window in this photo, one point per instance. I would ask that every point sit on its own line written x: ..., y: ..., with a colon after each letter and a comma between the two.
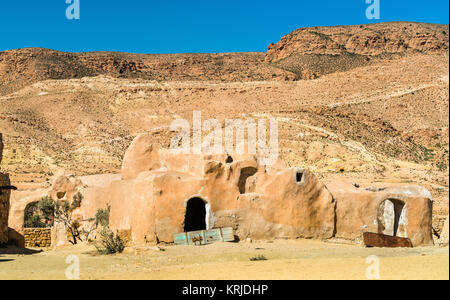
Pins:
x: 299, y: 177
x: 60, y: 195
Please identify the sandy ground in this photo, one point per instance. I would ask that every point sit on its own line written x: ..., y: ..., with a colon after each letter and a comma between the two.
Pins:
x: 300, y: 259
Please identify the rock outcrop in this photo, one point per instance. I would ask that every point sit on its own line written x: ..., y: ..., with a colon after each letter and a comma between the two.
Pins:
x: 142, y: 155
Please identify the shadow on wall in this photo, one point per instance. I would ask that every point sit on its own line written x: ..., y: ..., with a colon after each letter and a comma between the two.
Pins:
x: 16, y: 245
x: 15, y: 238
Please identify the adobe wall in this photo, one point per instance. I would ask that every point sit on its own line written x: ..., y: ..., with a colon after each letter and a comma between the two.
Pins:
x: 19, y: 202
x: 4, y: 201
x: 4, y: 208
x: 64, y: 187
x: 443, y: 241
x: 359, y: 211
x: 153, y: 206
x: 268, y: 202
x: 151, y: 199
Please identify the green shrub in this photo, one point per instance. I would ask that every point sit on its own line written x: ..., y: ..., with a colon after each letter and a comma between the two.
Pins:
x: 38, y: 214
x: 34, y: 221
x: 102, y: 217
x: 109, y: 243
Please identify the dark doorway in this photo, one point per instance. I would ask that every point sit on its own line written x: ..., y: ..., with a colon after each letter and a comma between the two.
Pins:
x: 398, y: 210
x: 195, y: 218
x: 245, y: 174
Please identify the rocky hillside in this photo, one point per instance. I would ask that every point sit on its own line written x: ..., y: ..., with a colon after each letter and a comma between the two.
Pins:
x: 57, y: 109
x: 312, y: 52
x: 19, y: 68
x: 306, y: 53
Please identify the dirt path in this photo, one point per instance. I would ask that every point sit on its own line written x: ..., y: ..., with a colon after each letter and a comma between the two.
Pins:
x: 285, y: 260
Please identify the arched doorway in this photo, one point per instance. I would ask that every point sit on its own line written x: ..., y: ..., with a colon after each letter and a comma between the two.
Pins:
x: 38, y: 214
x: 195, y: 218
x: 245, y: 174
x: 392, y: 218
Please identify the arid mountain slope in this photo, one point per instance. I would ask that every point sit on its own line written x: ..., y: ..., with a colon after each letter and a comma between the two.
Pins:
x: 403, y: 115
x: 312, y: 52
x: 19, y: 68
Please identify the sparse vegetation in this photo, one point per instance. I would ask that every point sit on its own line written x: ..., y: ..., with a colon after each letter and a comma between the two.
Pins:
x: 33, y: 220
x: 258, y: 258
x: 62, y: 212
x: 102, y: 217
x: 39, y: 214
x: 109, y: 242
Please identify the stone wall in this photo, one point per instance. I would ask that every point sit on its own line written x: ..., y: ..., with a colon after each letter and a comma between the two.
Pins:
x: 4, y: 209
x: 38, y: 237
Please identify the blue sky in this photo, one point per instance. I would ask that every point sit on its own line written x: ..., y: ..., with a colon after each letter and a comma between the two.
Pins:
x: 180, y: 26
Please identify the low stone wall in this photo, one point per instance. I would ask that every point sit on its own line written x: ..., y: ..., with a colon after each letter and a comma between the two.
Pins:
x: 38, y: 237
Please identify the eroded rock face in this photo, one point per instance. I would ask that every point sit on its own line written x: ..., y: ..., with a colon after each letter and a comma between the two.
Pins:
x: 369, y: 39
x: 22, y: 66
x: 64, y: 187
x: 315, y: 51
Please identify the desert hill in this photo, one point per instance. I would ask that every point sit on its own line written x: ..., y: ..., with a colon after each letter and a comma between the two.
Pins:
x: 312, y: 52
x: 376, y: 112
x: 19, y: 68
